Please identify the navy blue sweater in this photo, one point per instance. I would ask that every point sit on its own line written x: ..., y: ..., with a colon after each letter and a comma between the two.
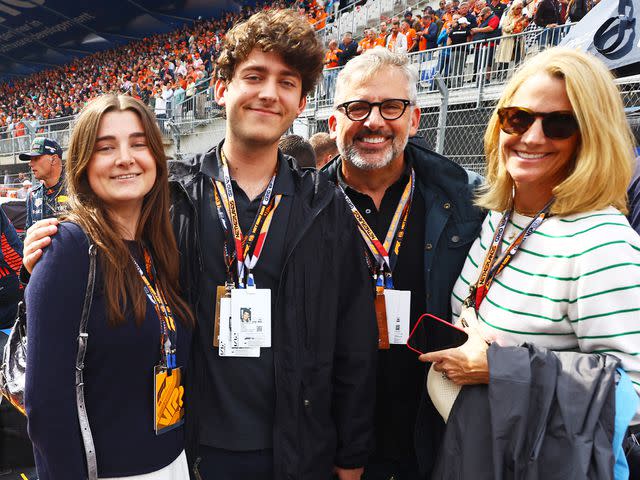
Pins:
x: 118, y: 373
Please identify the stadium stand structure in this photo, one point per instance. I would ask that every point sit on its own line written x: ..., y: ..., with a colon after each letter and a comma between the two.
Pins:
x: 458, y: 84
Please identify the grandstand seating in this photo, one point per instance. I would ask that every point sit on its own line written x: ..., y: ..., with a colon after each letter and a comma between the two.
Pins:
x: 200, y: 107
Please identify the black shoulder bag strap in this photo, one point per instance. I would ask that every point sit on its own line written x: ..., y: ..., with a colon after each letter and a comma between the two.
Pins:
x: 85, y: 429
x: 624, y: 22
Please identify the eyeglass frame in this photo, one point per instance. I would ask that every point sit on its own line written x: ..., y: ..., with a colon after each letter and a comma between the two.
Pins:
x: 344, y: 107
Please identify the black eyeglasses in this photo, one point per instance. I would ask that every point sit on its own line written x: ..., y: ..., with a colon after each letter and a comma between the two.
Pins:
x: 556, y: 125
x: 359, y: 110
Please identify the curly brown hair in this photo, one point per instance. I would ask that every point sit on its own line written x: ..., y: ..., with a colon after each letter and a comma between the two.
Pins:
x: 284, y: 32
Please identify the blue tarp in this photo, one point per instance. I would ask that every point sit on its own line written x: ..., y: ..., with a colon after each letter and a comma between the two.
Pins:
x: 40, y: 34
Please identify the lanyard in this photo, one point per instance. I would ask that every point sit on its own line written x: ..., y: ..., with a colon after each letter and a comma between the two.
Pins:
x: 156, y: 297
x: 492, y: 266
x: 386, y: 253
x: 247, y: 249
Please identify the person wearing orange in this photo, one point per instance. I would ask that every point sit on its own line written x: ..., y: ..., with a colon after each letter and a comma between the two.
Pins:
x: 311, y: 19
x: 381, y: 39
x: 428, y: 37
x: 331, y: 57
x: 410, y: 33
x: 368, y: 42
x: 447, y: 16
x: 321, y: 18
x: 397, y: 42
x: 330, y: 64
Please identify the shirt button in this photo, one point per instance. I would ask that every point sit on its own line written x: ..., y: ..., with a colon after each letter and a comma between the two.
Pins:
x: 455, y: 239
x: 428, y: 246
x: 307, y: 402
x: 447, y: 206
x: 368, y: 210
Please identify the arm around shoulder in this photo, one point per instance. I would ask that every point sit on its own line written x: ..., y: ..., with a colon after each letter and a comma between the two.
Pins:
x: 54, y: 303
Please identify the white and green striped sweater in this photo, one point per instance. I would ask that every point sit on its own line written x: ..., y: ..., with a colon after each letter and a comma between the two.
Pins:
x: 573, y: 285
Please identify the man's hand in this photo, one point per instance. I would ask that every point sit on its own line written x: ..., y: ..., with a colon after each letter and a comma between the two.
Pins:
x: 37, y: 239
x: 349, y: 473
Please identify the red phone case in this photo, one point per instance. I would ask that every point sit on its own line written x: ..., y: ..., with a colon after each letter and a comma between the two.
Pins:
x: 448, y: 324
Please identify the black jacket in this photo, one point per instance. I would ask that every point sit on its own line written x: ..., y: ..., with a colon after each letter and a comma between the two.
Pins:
x: 548, y: 13
x: 544, y: 415
x: 324, y: 329
x: 346, y: 52
x: 452, y: 223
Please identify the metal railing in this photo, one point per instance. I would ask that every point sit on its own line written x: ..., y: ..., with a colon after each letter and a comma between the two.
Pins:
x: 472, y: 66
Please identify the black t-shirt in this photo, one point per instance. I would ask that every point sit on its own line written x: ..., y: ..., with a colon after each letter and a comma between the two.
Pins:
x: 239, y: 397
x: 459, y: 34
x: 401, y: 375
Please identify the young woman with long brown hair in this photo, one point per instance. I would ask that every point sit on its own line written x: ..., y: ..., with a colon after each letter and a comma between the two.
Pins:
x: 138, y: 327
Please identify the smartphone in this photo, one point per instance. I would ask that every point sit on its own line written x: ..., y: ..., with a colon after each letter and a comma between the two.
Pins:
x: 447, y: 334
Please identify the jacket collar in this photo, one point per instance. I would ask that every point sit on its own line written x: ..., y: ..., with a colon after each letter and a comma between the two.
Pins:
x: 337, y: 177
x: 431, y: 168
x: 212, y: 167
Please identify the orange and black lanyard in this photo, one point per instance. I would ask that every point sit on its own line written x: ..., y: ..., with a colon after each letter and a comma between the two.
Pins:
x: 386, y: 254
x: 492, y: 267
x: 168, y: 335
x: 247, y: 249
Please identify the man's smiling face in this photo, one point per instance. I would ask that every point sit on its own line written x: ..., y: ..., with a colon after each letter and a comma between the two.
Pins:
x: 374, y: 142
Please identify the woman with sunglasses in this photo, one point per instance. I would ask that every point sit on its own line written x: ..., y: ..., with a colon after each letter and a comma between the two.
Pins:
x: 138, y: 326
x: 556, y: 264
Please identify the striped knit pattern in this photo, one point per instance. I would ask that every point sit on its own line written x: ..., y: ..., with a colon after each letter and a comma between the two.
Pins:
x: 12, y: 257
x: 573, y: 285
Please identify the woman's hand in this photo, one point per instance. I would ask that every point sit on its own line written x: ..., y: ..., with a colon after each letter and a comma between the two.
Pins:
x: 465, y: 365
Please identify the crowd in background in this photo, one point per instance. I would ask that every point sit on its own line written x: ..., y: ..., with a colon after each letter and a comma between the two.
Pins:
x: 153, y: 69
x: 455, y: 22
x: 166, y: 70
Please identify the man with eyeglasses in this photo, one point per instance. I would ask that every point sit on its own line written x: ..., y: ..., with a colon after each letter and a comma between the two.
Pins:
x: 415, y: 213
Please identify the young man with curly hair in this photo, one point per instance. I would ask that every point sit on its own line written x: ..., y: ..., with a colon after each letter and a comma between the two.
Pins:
x: 297, y: 403
x: 303, y: 407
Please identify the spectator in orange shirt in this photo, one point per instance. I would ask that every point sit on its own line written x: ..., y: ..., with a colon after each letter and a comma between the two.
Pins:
x: 331, y: 62
x: 447, y: 16
x: 368, y: 42
x: 331, y: 57
x: 410, y: 33
x: 428, y: 37
x: 382, y: 36
x: 321, y: 18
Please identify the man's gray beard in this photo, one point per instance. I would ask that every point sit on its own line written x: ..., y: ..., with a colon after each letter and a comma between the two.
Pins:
x: 352, y: 156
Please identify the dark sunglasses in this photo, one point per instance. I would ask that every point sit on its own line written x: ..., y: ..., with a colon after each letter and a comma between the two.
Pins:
x: 359, y: 110
x: 557, y: 125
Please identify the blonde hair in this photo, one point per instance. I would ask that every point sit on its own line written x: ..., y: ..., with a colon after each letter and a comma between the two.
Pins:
x: 603, y: 162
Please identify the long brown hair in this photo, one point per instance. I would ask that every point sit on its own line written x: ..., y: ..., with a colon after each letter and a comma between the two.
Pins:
x: 123, y: 288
